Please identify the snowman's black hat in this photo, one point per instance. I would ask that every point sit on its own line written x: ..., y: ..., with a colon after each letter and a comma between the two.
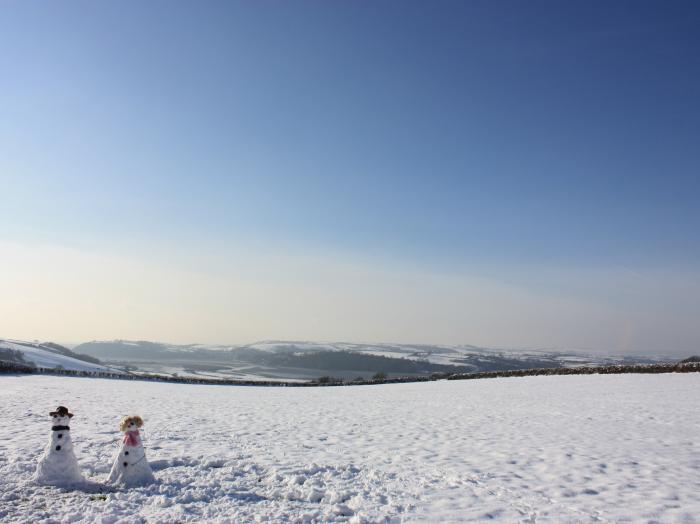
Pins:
x: 61, y: 411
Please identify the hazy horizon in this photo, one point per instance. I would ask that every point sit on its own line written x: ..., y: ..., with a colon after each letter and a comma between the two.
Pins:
x: 71, y: 344
x: 498, y: 174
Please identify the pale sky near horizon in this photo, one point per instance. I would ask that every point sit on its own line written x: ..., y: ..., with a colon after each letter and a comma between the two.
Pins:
x: 503, y: 174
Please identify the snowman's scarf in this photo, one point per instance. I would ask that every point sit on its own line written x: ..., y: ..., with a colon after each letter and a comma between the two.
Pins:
x: 131, y: 438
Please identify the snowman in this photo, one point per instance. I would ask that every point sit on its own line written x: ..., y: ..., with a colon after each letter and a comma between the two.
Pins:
x: 130, y: 467
x: 58, y: 465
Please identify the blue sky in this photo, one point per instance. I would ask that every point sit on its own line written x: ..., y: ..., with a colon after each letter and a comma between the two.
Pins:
x: 548, y: 147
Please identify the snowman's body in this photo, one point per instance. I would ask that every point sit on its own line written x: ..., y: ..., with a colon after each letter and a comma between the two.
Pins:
x: 58, y: 465
x: 131, y: 468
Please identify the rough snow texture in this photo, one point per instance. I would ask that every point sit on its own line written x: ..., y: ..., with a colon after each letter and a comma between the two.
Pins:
x: 613, y: 448
x: 58, y: 465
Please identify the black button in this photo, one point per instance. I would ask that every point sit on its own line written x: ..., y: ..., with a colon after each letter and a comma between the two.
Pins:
x: 125, y: 464
x: 126, y: 453
x: 58, y: 448
x: 60, y: 435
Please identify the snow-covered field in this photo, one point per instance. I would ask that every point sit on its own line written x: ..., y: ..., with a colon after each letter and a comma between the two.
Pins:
x: 613, y: 448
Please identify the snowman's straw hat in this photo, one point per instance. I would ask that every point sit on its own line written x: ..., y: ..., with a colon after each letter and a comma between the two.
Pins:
x: 124, y: 422
x: 61, y: 411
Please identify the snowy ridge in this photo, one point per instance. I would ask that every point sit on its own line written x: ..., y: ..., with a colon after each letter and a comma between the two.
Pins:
x: 45, y: 356
x: 307, y: 360
x: 431, y: 352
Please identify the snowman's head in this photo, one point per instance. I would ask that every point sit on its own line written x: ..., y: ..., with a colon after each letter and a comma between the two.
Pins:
x: 60, y: 417
x: 130, y: 423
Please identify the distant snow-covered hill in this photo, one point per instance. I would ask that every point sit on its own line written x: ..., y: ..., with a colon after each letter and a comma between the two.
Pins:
x: 273, y: 359
x: 48, y: 355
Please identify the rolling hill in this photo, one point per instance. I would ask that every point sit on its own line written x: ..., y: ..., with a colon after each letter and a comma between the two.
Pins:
x: 48, y: 355
x: 308, y: 360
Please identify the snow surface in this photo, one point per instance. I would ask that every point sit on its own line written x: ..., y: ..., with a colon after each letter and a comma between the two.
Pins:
x: 606, y: 448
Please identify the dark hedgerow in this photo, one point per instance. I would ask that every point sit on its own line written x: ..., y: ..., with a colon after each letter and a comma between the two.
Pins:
x: 328, y: 380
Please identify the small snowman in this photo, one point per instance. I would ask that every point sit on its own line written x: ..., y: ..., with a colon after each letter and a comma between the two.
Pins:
x: 58, y: 465
x: 130, y: 467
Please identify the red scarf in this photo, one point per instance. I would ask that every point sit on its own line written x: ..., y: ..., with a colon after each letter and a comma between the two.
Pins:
x: 131, y: 438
